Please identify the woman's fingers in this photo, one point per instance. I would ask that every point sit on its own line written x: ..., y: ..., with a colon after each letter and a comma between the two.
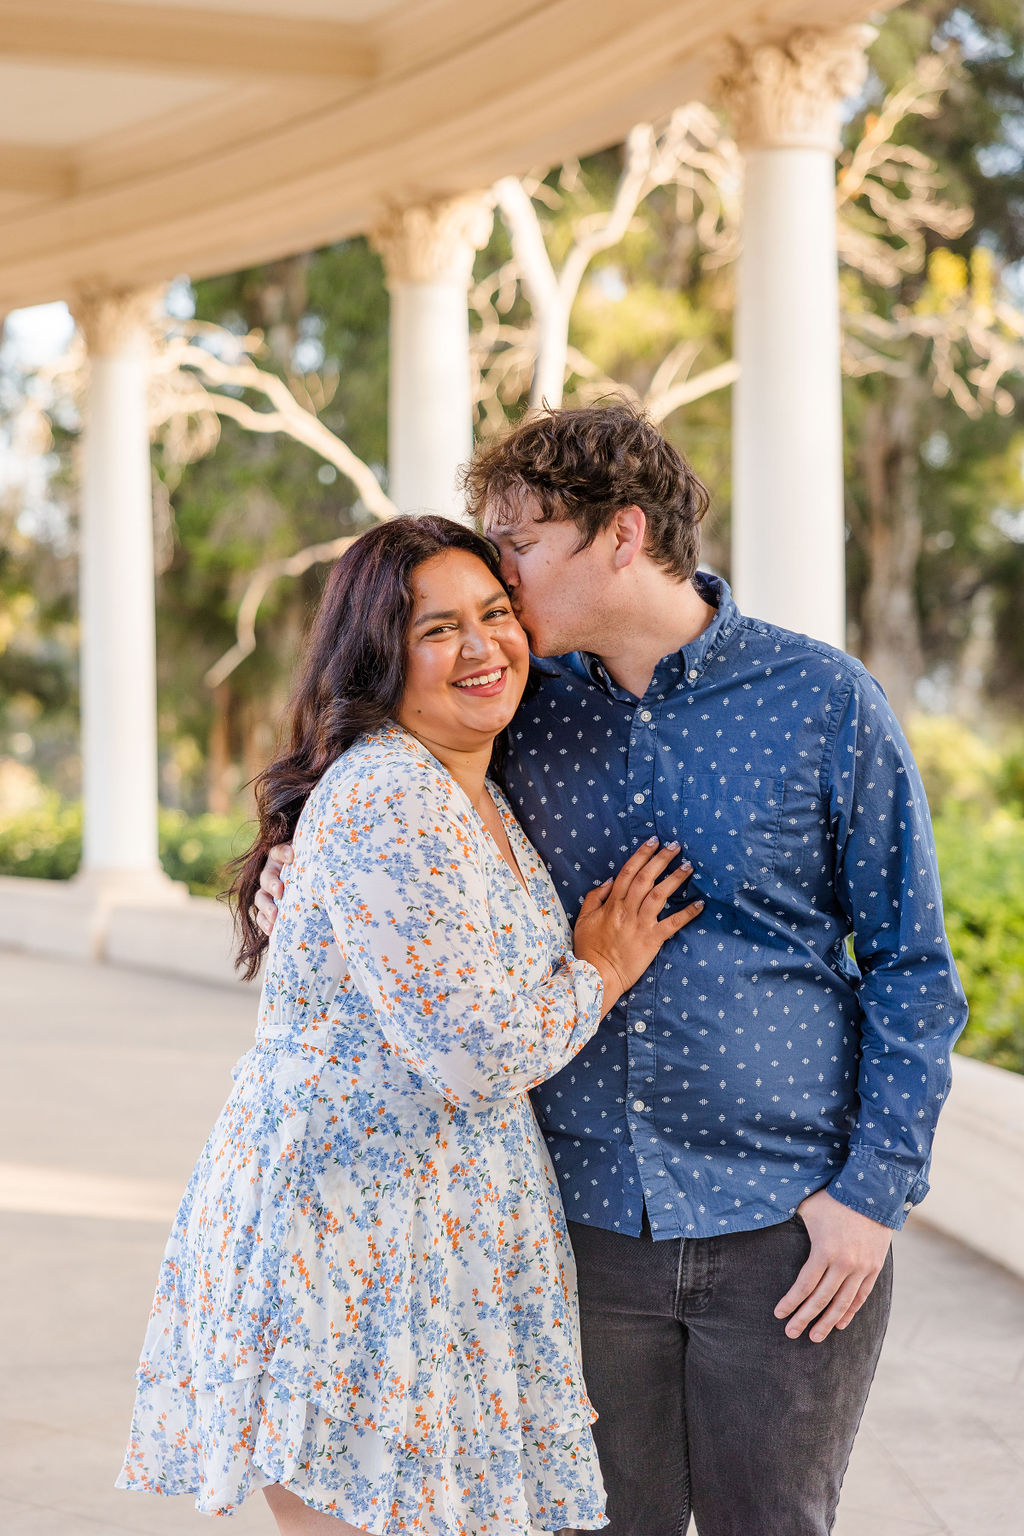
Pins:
x: 679, y: 920
x: 641, y: 870
x: 660, y: 893
x: 595, y: 898
x: 632, y: 867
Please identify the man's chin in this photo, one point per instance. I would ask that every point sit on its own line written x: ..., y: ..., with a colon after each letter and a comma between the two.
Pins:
x: 541, y: 645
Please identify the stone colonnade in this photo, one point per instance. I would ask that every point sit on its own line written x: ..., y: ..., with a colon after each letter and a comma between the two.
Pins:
x: 428, y: 256
x: 788, y: 509
x: 788, y: 556
x: 120, y: 858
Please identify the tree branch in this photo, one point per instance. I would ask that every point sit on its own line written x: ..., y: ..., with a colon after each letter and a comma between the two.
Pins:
x: 190, y: 380
x: 287, y: 416
x: 258, y: 586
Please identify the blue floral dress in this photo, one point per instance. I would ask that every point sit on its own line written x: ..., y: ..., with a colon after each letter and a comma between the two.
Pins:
x: 368, y: 1293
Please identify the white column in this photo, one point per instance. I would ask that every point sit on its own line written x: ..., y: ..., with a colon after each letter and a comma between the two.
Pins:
x: 428, y: 258
x: 118, y: 631
x: 788, y: 561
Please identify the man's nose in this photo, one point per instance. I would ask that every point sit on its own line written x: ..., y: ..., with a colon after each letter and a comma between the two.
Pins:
x: 509, y: 574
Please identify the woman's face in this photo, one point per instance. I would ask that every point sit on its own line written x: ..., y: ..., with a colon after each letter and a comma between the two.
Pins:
x: 468, y: 657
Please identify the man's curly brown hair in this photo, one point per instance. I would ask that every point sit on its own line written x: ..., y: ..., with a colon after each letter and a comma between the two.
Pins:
x: 583, y: 466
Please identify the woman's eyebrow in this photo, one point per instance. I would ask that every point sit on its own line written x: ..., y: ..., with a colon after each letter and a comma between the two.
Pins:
x: 500, y: 596
x: 429, y: 618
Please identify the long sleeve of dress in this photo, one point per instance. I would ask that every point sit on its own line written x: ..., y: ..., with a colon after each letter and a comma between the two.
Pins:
x: 399, y: 869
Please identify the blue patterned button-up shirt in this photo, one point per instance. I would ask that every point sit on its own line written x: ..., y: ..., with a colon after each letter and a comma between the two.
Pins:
x: 755, y: 1062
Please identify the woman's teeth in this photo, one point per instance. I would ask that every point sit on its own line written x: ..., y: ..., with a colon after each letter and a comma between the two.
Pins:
x: 480, y: 682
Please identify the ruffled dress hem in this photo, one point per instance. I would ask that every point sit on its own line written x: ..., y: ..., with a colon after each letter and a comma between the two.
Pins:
x: 256, y: 1432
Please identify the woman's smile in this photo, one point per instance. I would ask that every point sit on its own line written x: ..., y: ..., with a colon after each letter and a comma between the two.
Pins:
x: 483, y: 684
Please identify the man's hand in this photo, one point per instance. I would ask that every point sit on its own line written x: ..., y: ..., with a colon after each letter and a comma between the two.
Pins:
x: 847, y: 1253
x: 271, y: 888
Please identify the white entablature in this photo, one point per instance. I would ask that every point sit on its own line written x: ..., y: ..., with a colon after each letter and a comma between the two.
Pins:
x: 143, y: 138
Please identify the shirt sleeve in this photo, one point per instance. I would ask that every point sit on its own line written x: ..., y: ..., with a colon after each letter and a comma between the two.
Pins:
x: 912, y: 1004
x: 401, y: 876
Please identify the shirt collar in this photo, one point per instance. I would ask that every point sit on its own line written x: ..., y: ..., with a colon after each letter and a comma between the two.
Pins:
x: 678, y: 669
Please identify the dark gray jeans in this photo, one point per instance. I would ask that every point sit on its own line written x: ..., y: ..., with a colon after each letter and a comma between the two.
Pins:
x: 706, y: 1407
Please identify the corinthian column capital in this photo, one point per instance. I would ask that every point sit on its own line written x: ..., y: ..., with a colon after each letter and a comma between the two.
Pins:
x: 786, y: 95
x: 114, y: 319
x: 436, y: 241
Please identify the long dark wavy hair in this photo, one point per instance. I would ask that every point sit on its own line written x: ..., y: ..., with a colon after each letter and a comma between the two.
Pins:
x: 351, y: 679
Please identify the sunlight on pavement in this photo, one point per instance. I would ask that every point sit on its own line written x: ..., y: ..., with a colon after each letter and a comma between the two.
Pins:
x: 67, y: 1192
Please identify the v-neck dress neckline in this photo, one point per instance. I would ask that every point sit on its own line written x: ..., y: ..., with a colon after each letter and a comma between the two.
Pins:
x: 498, y: 800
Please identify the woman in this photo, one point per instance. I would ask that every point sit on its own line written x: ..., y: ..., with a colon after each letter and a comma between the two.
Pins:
x: 367, y: 1303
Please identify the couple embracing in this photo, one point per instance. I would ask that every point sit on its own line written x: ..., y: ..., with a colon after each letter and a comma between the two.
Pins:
x: 515, y: 1221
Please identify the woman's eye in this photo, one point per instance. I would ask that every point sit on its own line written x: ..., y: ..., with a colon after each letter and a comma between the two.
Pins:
x: 439, y: 629
x: 497, y: 613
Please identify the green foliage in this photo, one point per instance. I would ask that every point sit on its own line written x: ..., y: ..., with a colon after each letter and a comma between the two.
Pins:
x: 258, y: 498
x: 44, y: 842
x: 956, y: 764
x: 197, y: 849
x: 981, y: 857
x: 976, y: 791
x: 954, y: 472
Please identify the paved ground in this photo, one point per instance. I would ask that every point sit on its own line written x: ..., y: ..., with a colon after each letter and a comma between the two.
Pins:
x: 110, y: 1081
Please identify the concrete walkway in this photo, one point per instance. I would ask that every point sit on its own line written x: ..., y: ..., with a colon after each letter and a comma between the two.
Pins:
x: 110, y: 1082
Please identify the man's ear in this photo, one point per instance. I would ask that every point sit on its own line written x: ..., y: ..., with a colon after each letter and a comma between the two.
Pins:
x: 628, y: 528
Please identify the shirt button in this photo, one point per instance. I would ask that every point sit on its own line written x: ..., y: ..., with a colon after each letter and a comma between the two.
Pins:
x: 638, y: 798
x: 645, y: 714
x: 692, y: 675
x: 638, y: 1105
x: 639, y: 1028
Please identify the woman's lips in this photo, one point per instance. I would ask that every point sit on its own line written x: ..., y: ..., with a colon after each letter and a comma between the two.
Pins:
x: 483, y: 690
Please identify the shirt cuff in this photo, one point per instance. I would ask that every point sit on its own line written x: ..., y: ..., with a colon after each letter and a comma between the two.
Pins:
x: 878, y: 1188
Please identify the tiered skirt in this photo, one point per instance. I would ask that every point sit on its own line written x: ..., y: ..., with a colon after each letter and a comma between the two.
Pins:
x: 386, y: 1327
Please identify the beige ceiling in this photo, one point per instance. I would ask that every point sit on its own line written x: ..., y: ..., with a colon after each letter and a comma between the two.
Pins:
x: 144, y: 138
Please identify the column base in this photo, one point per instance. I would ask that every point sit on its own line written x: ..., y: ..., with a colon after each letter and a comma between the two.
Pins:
x: 107, y: 892
x: 129, y: 887
x: 124, y: 918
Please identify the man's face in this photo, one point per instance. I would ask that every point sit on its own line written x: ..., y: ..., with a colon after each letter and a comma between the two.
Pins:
x: 559, y: 592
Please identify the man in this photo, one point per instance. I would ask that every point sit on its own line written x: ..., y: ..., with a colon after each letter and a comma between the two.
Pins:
x: 738, y: 1141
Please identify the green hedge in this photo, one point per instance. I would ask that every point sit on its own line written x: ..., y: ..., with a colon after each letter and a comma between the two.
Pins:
x: 977, y: 795
x: 981, y: 857
x: 46, y: 843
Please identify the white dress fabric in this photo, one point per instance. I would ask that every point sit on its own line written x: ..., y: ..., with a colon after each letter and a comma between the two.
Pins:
x: 368, y: 1294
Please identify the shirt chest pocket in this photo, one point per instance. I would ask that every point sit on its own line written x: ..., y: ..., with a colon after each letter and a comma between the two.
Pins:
x: 729, y: 828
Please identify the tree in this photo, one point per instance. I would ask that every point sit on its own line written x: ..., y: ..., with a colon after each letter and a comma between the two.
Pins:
x: 934, y: 357
x: 309, y: 338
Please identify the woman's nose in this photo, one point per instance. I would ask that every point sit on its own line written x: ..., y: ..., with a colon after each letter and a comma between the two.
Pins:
x: 476, y: 642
